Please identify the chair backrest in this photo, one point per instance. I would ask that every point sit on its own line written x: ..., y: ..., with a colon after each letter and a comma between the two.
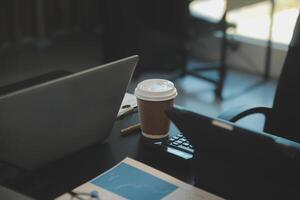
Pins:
x: 285, y: 115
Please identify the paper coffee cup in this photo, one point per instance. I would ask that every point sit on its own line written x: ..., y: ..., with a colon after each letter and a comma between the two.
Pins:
x: 154, y: 97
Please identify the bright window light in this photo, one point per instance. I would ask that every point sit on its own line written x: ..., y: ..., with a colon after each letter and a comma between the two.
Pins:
x: 253, y: 21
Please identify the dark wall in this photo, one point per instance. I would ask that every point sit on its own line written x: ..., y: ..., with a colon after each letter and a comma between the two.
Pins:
x: 153, y: 29
x: 21, y: 19
x: 156, y: 30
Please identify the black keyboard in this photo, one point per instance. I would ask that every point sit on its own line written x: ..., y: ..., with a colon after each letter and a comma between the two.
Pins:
x: 177, y: 145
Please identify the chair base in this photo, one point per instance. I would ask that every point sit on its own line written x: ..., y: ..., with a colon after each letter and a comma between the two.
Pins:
x: 212, y: 66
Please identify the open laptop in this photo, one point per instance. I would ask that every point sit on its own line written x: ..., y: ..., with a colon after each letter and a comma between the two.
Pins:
x: 238, y: 163
x: 47, y: 121
x: 219, y: 136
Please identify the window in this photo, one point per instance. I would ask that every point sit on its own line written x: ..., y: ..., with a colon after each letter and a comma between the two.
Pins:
x: 253, y: 21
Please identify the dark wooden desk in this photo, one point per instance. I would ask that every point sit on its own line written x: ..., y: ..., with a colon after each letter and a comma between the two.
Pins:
x: 217, y: 177
x: 66, y: 174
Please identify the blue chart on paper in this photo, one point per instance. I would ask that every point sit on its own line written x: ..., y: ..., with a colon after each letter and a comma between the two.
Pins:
x: 135, y: 184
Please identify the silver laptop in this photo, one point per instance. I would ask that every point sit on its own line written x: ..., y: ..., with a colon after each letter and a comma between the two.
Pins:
x: 50, y: 120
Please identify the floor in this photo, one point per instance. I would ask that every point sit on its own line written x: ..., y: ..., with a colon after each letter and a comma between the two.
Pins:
x: 241, y: 89
x: 80, y: 52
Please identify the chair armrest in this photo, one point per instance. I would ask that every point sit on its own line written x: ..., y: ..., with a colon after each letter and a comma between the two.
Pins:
x: 238, y: 113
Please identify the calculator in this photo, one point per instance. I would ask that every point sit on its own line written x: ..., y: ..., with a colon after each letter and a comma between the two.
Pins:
x: 177, y: 145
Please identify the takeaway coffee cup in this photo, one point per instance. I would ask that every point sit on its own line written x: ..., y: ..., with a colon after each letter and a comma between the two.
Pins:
x: 154, y: 97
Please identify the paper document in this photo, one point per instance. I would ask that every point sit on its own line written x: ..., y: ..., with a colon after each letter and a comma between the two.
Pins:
x: 131, y: 179
x: 129, y: 101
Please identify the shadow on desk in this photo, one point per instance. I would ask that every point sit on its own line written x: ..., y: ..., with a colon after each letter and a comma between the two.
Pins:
x: 165, y: 162
x: 65, y: 174
x: 68, y: 173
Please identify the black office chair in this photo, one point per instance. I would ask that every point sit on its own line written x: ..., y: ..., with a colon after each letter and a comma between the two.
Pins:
x: 203, y: 27
x: 283, y: 118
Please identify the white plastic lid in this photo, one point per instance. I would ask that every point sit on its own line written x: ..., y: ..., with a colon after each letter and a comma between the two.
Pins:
x: 155, y: 90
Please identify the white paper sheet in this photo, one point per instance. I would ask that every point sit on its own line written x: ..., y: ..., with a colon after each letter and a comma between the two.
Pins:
x: 174, y: 188
x: 129, y: 100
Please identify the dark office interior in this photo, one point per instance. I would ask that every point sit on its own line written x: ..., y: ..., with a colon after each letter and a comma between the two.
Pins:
x: 230, y: 60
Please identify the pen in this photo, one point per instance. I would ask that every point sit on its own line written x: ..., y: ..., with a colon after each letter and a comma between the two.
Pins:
x: 130, y: 129
x: 127, y: 112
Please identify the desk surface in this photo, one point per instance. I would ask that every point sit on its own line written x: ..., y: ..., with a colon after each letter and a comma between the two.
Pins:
x: 67, y: 173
